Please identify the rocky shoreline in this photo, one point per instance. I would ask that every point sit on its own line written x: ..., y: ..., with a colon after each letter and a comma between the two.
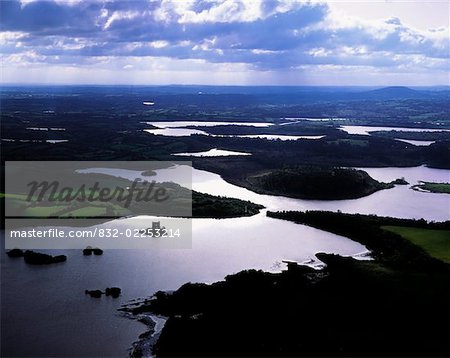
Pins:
x: 402, y: 292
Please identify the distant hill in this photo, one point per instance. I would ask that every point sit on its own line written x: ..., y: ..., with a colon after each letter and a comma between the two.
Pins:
x: 394, y: 92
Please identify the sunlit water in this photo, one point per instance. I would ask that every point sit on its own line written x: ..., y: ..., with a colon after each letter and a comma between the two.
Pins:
x: 181, y: 124
x: 277, y: 136
x: 186, y: 132
x: 53, y: 141
x: 294, y: 120
x: 211, y: 153
x: 178, y: 129
x: 365, y: 130
x: 417, y: 142
x: 45, y: 311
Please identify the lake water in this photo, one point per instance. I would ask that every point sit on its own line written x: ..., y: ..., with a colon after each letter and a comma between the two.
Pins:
x: 44, y: 129
x: 53, y: 141
x: 212, y: 153
x: 280, y: 136
x: 178, y: 129
x: 365, y: 130
x: 185, y: 132
x: 295, y: 120
x: 417, y: 142
x: 181, y: 124
x: 45, y: 311
x: 175, y: 132
x: 400, y: 201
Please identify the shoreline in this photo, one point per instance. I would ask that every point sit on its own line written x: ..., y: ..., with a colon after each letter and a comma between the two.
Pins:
x: 143, y: 345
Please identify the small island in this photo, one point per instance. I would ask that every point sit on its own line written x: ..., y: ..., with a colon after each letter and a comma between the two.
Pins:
x: 148, y: 173
x: 430, y: 187
x: 316, y: 183
x: 399, y: 181
x: 37, y: 258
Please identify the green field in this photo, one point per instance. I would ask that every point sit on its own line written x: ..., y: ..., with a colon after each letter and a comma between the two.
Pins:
x: 443, y: 188
x: 434, y: 242
x: 436, y: 187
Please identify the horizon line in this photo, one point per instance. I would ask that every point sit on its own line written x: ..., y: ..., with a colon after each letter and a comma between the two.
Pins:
x: 21, y: 84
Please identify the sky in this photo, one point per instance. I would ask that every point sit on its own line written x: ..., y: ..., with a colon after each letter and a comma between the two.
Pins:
x: 225, y: 42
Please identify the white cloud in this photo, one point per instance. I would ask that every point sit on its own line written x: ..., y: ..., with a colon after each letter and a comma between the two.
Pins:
x: 319, y: 52
x: 159, y: 44
x: 258, y: 36
x: 120, y: 15
x: 10, y: 36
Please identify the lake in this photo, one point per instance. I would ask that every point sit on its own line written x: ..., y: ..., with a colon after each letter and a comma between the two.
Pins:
x: 278, y: 136
x: 47, y: 313
x: 181, y: 124
x: 185, y: 132
x: 365, y: 130
x: 212, y: 153
x: 178, y: 129
x: 417, y: 142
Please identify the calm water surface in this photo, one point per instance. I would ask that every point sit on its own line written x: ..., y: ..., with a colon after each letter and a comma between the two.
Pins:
x: 212, y: 153
x: 365, y: 130
x: 178, y: 129
x: 45, y: 311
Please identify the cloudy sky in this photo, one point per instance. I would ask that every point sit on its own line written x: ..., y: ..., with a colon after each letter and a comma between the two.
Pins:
x: 234, y: 42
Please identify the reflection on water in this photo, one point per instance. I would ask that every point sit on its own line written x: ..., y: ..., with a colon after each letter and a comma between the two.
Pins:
x: 182, y: 124
x: 47, y: 312
x: 178, y: 129
x: 212, y: 153
x: 53, y: 141
x: 295, y: 120
x: 279, y: 136
x: 401, y: 201
x: 365, y: 130
x: 175, y: 132
x: 417, y: 142
x: 185, y: 132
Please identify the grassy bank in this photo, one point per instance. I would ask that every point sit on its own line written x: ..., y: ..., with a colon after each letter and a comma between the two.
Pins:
x: 434, y: 242
x: 443, y: 188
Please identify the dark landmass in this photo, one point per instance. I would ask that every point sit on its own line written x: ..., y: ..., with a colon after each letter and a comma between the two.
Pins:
x: 114, y: 292
x: 37, y: 258
x: 374, y: 106
x: 203, y: 205
x: 443, y: 188
x: 90, y: 250
x: 148, y: 173
x: 343, y: 151
x: 210, y: 206
x: 435, y: 242
x: 366, y: 229
x: 394, y: 92
x: 392, y: 306
x: 315, y: 183
x: 305, y: 128
x: 15, y: 253
x: 94, y: 293
x: 426, y: 136
x: 107, y: 123
x: 400, y: 181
